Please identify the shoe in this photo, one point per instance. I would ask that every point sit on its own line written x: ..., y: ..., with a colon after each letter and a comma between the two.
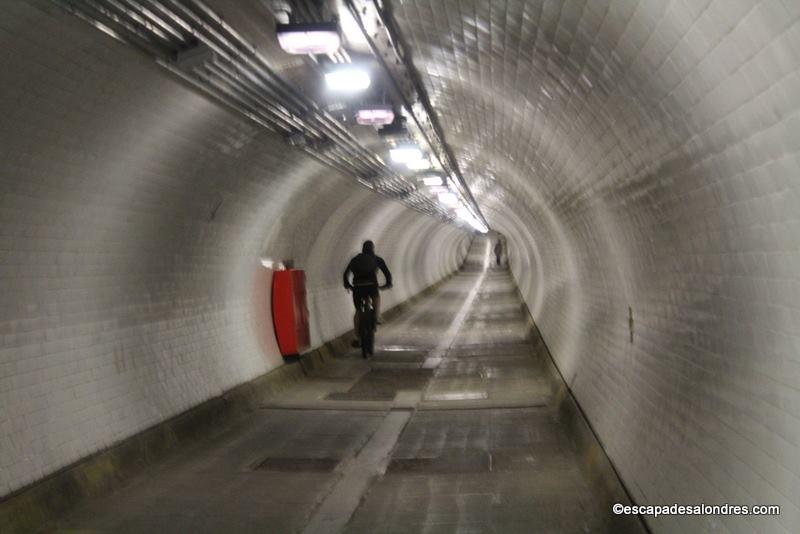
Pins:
x: 356, y: 344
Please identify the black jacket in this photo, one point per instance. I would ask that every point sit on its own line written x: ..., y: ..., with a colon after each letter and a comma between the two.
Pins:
x: 365, y: 268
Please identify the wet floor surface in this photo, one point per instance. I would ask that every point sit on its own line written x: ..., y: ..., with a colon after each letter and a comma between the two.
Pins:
x: 446, y: 429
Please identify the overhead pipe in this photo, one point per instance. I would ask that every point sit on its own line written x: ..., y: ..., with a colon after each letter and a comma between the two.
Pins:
x: 214, y: 38
x: 336, y: 129
x: 240, y: 80
x: 147, y: 19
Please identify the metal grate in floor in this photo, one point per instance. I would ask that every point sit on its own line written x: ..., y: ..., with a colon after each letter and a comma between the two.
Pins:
x: 383, y: 384
x: 306, y: 465
x: 457, y: 461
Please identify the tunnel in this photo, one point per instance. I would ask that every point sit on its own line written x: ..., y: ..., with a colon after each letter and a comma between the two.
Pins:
x: 591, y: 214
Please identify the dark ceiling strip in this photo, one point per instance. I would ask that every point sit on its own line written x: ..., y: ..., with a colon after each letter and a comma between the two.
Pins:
x: 436, y: 138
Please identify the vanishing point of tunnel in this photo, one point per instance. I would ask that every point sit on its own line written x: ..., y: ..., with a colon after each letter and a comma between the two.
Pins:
x: 588, y: 213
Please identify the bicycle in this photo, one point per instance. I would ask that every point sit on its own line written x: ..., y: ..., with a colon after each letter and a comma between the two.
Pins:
x: 367, y: 321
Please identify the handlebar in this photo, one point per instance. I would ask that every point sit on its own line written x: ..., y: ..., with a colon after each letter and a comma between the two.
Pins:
x: 350, y: 287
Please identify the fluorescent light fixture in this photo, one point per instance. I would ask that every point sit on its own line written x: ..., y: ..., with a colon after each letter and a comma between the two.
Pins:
x: 463, y: 214
x: 405, y: 153
x: 448, y: 199
x: 433, y: 180
x: 466, y: 216
x: 438, y: 189
x: 375, y: 115
x: 347, y: 78
x: 422, y: 164
x: 311, y: 38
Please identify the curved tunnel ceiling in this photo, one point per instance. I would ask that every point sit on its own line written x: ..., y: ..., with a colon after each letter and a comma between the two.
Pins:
x: 641, y: 157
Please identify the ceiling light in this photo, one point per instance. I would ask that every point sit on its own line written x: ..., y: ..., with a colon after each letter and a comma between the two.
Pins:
x: 466, y: 216
x: 422, y: 164
x: 438, y: 189
x: 479, y: 226
x: 309, y: 38
x: 448, y: 199
x: 432, y: 180
x: 375, y: 115
x: 405, y: 153
x: 347, y: 78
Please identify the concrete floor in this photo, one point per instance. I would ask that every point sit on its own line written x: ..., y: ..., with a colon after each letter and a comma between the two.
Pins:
x: 446, y: 430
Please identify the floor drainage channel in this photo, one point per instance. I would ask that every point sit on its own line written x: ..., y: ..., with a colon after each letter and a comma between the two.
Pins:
x: 456, y: 462
x: 296, y: 465
x: 473, y: 461
x: 384, y: 384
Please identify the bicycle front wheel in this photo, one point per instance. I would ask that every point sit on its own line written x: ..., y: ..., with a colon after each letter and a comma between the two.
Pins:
x: 367, y: 324
x: 367, y: 342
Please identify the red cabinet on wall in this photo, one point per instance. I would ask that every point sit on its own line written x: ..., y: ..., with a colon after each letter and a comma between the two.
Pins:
x: 289, y: 311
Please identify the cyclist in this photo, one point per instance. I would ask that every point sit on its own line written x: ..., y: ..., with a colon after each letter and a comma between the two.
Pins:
x: 498, y: 251
x: 364, y: 268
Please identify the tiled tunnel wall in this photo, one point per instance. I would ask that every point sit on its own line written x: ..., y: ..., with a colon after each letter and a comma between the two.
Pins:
x: 645, y: 154
x: 639, y: 155
x: 134, y: 216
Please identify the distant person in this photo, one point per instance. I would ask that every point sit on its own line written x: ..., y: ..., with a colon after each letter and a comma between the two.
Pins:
x: 364, y: 268
x: 498, y: 251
